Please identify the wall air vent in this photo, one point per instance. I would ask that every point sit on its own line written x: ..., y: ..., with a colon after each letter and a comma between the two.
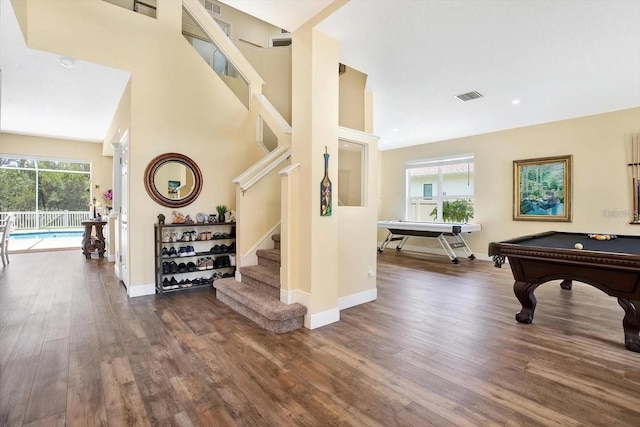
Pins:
x: 211, y: 7
x: 470, y: 96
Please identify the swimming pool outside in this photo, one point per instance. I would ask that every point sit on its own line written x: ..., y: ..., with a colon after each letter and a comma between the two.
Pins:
x: 32, y: 241
x: 45, y: 234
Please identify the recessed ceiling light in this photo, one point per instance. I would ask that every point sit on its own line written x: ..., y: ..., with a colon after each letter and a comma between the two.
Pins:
x: 67, y: 62
x: 515, y: 102
x: 396, y: 129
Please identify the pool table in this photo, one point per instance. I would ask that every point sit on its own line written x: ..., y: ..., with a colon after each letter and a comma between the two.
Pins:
x: 613, y: 266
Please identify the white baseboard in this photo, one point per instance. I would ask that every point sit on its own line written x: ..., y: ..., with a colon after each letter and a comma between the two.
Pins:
x: 141, y: 290
x: 296, y: 295
x: 310, y: 321
x: 358, y: 298
x: 322, y: 319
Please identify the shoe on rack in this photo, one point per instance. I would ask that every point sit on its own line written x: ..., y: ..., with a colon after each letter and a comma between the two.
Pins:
x: 166, y: 268
x: 173, y: 267
x: 173, y: 283
x: 172, y: 252
x: 166, y: 285
x: 183, y: 251
x: 182, y: 267
x: 166, y: 237
x: 174, y: 236
x: 232, y: 248
x: 191, y: 266
x: 165, y: 253
x: 191, y: 251
x: 201, y: 264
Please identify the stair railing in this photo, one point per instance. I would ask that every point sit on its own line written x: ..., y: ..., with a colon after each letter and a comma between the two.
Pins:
x: 216, y: 34
x: 258, y: 211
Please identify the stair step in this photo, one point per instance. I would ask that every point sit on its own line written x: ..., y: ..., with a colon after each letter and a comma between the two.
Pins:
x: 264, y: 310
x: 267, y: 275
x: 269, y: 257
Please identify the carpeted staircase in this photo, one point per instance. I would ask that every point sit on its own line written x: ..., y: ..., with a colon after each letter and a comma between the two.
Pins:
x: 257, y: 297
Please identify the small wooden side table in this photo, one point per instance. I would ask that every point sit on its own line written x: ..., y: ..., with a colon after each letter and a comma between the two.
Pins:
x: 92, y: 244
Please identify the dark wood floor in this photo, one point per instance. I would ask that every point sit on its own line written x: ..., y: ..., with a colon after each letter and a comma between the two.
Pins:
x: 440, y: 346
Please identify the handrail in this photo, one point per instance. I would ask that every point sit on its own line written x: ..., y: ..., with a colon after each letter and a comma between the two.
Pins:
x: 263, y: 162
x: 273, y: 117
x: 265, y: 166
x: 230, y: 50
x: 289, y: 169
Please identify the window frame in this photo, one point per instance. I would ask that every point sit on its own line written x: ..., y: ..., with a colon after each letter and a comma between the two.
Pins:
x: 439, y: 197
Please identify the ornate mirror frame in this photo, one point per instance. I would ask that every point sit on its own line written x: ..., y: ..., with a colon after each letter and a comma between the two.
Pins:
x: 156, y: 195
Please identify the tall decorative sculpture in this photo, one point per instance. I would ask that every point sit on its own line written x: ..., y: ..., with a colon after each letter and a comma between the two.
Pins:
x: 325, y: 188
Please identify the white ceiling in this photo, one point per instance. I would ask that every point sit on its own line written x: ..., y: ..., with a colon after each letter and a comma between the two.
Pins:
x: 561, y: 59
x: 40, y: 97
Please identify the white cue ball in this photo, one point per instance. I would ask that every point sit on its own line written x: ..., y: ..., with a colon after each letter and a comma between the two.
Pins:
x: 578, y: 246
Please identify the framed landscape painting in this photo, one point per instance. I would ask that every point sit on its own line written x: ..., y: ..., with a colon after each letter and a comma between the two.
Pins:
x: 542, y: 189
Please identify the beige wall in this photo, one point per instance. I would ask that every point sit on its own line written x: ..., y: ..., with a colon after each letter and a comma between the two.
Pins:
x: 195, y: 114
x: 352, y: 100
x: 357, y: 257
x: 274, y: 66
x: 63, y: 149
x: 315, y: 114
x: 601, y: 181
x: 120, y: 123
x: 246, y: 27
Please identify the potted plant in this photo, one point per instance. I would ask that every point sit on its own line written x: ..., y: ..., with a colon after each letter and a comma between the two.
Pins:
x: 222, y: 209
x: 455, y: 211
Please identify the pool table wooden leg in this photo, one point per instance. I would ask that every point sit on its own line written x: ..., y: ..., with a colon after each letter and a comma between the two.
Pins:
x: 566, y: 284
x: 524, y: 293
x: 631, y: 324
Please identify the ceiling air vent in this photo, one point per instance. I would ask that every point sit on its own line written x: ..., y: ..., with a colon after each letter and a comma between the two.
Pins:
x: 211, y: 7
x: 470, y: 96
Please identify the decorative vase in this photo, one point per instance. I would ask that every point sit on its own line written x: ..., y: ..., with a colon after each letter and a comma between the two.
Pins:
x: 325, y: 188
x: 221, y: 217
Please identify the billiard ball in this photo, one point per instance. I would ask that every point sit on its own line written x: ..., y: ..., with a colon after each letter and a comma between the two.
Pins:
x: 578, y: 246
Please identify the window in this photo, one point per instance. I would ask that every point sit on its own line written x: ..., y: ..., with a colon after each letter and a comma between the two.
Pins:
x: 351, y: 173
x: 427, y: 190
x: 45, y: 192
x: 440, y: 189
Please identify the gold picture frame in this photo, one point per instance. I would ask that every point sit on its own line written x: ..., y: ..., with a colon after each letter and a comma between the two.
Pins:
x: 542, y: 189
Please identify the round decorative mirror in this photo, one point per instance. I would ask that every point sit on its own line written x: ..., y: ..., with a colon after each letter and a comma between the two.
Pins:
x: 173, y: 180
